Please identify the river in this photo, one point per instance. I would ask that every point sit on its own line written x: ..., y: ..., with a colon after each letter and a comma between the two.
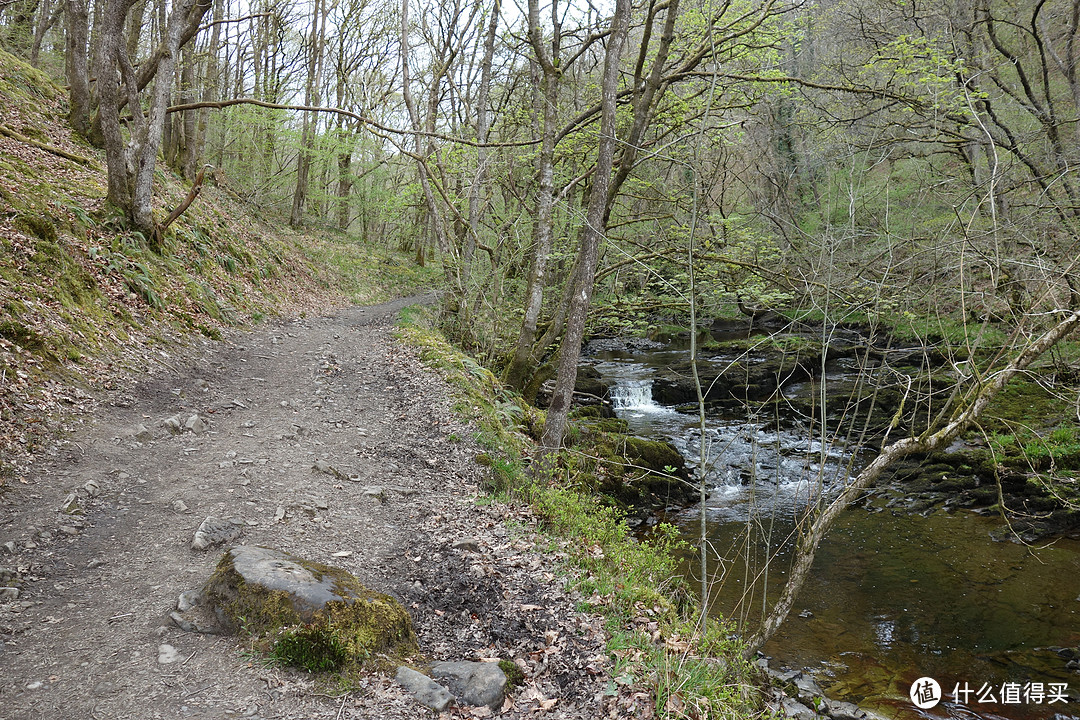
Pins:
x: 894, y: 595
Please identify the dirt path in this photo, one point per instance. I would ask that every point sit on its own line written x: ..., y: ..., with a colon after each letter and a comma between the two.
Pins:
x: 84, y: 636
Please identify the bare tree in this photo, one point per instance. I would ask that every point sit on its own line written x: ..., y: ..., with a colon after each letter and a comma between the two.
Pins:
x: 312, y: 96
x: 592, y: 234
x: 131, y: 161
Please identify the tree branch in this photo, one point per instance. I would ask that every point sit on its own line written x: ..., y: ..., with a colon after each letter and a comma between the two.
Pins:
x: 977, y: 401
x: 363, y: 119
x: 8, y: 132
x: 196, y: 188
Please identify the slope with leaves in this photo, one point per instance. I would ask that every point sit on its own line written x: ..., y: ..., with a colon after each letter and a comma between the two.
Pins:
x: 83, y: 298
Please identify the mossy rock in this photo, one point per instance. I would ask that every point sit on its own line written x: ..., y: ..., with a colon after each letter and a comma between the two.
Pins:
x: 272, y: 594
x: 532, y: 421
x: 641, y: 474
x: 42, y: 226
x: 596, y: 425
x: 592, y: 412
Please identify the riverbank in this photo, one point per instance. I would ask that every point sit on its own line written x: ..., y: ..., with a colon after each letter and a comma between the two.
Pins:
x: 907, y: 584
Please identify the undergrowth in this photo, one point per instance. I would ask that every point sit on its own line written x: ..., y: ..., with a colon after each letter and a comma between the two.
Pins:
x: 652, y: 617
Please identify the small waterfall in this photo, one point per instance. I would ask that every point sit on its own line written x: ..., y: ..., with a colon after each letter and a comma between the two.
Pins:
x: 632, y: 395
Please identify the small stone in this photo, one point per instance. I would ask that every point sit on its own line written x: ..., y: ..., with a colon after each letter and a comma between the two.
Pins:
x: 215, y: 531
x: 183, y: 623
x: 71, y: 505
x: 808, y: 689
x: 473, y: 683
x: 69, y: 530
x: 328, y: 469
x: 806, y: 614
x: 374, y: 492
x: 9, y: 547
x: 30, y: 545
x: 167, y: 655
x: 143, y: 434
x: 36, y: 685
x: 92, y: 488
x: 179, y: 506
x: 103, y: 688
x: 427, y: 692
x: 188, y: 599
x: 194, y: 627
x: 343, y: 554
x: 840, y: 710
x: 798, y: 711
x: 202, y: 385
x: 197, y: 424
x: 467, y: 545
x: 174, y: 425
x: 9, y: 593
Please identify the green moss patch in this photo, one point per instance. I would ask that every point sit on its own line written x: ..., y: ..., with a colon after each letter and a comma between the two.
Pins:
x: 306, y: 613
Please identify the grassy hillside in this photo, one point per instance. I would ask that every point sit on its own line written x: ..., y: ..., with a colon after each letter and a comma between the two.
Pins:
x: 82, y: 299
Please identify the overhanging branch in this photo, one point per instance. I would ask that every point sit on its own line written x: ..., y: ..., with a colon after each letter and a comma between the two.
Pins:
x: 363, y: 119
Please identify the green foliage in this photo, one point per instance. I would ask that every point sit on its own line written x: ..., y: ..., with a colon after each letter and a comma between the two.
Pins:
x: 514, y: 675
x: 314, y: 647
x: 366, y: 273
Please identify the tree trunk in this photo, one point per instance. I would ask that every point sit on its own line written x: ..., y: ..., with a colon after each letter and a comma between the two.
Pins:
x: 311, y: 97
x: 344, y: 185
x: 131, y: 162
x: 523, y: 361
x: 78, y: 74
x: 210, y: 87
x: 48, y: 16
x: 146, y: 159
x: 109, y: 32
x: 483, y: 127
x: 592, y: 234
x: 647, y: 94
x: 135, y: 28
x: 186, y: 161
x: 418, y: 146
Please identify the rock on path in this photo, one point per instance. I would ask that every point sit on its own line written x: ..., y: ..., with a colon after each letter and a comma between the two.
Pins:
x: 86, y: 632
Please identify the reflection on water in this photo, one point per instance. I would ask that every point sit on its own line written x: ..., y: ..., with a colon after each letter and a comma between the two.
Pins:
x: 892, y: 596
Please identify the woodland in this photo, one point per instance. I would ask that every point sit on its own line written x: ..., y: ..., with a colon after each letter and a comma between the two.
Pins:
x: 904, y: 168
